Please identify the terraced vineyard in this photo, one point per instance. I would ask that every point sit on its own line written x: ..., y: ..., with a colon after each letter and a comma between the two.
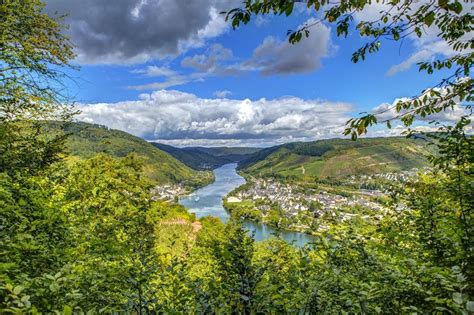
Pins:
x: 338, y: 158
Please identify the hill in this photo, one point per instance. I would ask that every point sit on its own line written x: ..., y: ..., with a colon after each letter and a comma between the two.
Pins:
x: 86, y: 140
x: 335, y: 158
x: 201, y: 158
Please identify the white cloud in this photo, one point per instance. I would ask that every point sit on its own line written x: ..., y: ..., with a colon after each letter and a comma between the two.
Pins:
x: 222, y: 93
x: 210, y: 64
x: 261, y: 21
x: 400, y: 130
x: 156, y: 71
x: 177, y: 117
x: 271, y: 57
x: 425, y: 52
x: 168, y: 82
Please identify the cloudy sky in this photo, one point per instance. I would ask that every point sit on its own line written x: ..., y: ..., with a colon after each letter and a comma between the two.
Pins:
x: 175, y: 71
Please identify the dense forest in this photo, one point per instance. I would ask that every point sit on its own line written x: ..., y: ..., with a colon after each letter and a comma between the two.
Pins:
x: 85, y: 236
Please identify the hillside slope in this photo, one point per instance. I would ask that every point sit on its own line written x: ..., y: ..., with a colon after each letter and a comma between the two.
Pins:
x: 201, y: 158
x: 335, y: 158
x: 86, y: 139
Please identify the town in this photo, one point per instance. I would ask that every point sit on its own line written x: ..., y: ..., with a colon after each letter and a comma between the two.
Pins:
x: 168, y: 192
x: 297, y: 205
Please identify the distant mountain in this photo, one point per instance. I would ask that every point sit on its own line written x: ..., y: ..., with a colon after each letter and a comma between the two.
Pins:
x: 338, y: 157
x: 86, y: 139
x: 201, y: 158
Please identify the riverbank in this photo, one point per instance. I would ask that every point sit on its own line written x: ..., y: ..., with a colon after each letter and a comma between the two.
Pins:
x: 248, y: 210
x: 209, y: 201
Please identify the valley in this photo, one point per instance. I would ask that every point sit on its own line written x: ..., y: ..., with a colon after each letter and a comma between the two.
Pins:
x: 305, y: 187
x: 249, y: 157
x: 295, y: 187
x: 207, y: 158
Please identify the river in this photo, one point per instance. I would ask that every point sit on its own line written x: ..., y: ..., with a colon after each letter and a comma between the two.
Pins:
x: 207, y: 201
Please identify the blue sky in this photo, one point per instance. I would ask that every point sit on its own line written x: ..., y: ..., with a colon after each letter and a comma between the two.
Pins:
x: 144, y: 81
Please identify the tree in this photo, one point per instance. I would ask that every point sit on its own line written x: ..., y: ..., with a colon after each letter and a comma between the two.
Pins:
x: 441, y: 210
x: 112, y: 221
x: 33, y: 52
x: 34, y: 235
x: 450, y: 19
x: 236, y: 269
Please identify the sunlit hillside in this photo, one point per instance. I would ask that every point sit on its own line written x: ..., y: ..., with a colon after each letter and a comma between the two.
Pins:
x: 338, y: 158
x: 86, y: 140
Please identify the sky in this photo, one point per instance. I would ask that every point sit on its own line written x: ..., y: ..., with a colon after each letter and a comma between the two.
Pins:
x: 174, y: 71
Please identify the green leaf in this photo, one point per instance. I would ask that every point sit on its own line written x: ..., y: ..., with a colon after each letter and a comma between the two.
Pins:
x: 457, y: 297
x: 54, y: 287
x: 443, y: 3
x: 456, y: 7
x: 470, y: 306
x: 429, y: 19
x: 17, y: 290
x: 67, y: 310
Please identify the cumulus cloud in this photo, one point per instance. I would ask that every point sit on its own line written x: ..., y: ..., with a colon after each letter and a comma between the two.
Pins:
x: 181, y: 118
x: 271, y: 57
x: 184, y: 119
x: 136, y: 31
x: 280, y: 57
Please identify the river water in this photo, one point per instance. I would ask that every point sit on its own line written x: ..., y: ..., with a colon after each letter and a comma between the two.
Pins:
x: 207, y: 201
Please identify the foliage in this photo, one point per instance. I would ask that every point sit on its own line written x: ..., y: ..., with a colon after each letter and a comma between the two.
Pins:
x: 88, y: 236
x: 83, y: 238
x: 32, y: 52
x: 98, y: 245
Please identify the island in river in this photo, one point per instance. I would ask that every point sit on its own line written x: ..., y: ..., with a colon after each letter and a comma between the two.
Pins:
x: 208, y: 201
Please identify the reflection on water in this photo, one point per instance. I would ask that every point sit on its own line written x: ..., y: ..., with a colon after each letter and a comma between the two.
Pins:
x: 262, y: 231
x: 208, y: 201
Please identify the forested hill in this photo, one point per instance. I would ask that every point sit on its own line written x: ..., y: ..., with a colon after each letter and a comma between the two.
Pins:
x: 86, y: 140
x: 201, y: 158
x: 338, y: 157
